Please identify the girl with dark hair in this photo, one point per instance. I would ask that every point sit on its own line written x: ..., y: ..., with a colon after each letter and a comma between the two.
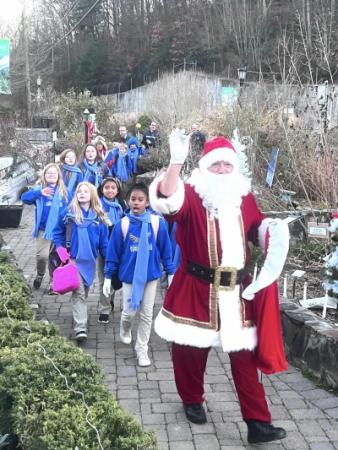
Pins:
x: 137, y: 245
x: 112, y: 203
x: 92, y: 166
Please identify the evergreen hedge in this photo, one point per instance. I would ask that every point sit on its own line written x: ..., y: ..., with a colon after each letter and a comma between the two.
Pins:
x: 37, y: 409
x: 14, y: 292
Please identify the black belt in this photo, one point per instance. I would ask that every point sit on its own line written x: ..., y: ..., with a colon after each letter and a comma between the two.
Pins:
x: 223, y: 278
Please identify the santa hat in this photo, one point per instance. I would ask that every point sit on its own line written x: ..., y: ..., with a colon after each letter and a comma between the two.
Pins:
x: 218, y: 149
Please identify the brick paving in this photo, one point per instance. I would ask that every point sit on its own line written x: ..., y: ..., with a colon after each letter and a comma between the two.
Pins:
x: 308, y: 412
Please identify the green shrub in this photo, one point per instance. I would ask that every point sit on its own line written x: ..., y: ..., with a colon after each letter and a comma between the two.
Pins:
x: 36, y: 404
x: 37, y: 409
x: 5, y: 258
x: 144, y: 120
x: 14, y: 292
x: 15, y: 333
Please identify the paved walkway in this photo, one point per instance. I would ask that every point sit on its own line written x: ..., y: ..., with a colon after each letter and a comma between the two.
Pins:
x: 309, y: 413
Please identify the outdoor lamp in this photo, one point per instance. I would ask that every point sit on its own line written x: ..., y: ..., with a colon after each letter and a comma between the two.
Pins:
x: 241, y: 75
x: 54, y: 139
x: 38, y: 83
x: 86, y: 114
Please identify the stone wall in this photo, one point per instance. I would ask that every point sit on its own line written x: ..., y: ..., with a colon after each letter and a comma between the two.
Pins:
x: 311, y: 343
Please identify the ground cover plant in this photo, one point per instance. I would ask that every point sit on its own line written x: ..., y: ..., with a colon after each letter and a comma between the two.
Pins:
x: 52, y: 394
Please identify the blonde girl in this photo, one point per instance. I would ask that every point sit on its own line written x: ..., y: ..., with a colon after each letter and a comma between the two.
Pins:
x: 49, y: 198
x: 89, y: 239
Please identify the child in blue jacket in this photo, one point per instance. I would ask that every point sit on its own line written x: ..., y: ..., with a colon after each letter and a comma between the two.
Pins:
x: 92, y: 166
x: 49, y: 198
x: 89, y: 238
x: 71, y: 173
x: 120, y: 162
x: 136, y: 247
x: 133, y: 153
x: 112, y: 203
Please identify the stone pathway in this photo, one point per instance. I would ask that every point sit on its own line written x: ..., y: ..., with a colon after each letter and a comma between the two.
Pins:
x: 309, y: 413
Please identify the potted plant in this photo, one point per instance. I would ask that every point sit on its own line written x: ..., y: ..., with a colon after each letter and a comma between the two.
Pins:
x: 10, y: 215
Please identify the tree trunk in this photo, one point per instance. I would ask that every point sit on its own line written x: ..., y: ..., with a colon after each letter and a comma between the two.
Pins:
x: 308, y: 25
x: 27, y: 68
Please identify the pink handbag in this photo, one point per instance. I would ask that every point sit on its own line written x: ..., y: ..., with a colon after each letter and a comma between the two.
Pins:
x: 66, y: 278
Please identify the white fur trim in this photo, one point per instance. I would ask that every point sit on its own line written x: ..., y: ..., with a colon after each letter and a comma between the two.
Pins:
x: 169, y: 205
x: 275, y: 258
x: 184, y: 334
x: 231, y: 236
x: 219, y: 154
x: 233, y: 336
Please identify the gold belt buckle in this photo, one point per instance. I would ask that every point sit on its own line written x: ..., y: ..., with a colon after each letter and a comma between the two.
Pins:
x: 217, y: 278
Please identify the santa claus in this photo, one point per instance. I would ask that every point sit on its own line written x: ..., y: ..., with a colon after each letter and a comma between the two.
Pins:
x: 212, y: 300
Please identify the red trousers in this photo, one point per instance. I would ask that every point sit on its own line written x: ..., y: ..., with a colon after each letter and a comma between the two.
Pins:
x: 189, y: 368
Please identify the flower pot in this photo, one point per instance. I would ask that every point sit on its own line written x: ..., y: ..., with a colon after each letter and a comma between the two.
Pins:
x: 10, y: 216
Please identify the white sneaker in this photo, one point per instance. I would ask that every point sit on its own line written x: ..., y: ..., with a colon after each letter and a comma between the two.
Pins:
x: 81, y: 336
x: 143, y: 360
x: 125, y: 332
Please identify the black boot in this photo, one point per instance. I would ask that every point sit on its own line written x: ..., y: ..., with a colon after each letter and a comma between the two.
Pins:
x: 263, y: 432
x: 195, y: 413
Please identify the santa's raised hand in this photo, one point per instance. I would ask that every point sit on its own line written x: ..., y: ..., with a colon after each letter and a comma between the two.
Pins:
x: 179, y: 143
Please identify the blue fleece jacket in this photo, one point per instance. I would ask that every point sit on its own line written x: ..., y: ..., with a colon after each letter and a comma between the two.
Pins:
x: 114, y: 166
x: 121, y: 253
x: 102, y: 172
x: 105, y: 208
x: 66, y: 175
x: 30, y: 198
x: 97, y: 232
x: 133, y: 153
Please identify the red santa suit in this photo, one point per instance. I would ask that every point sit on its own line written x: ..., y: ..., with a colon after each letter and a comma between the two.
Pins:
x: 194, y: 309
x: 197, y: 314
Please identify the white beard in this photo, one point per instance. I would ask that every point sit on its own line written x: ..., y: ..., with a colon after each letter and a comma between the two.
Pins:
x: 220, y: 191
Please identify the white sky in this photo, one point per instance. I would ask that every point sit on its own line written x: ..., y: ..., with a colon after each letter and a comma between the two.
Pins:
x: 10, y: 10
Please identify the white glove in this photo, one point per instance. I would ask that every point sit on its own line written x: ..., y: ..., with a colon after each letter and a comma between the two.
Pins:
x: 170, y: 279
x: 106, y: 287
x: 179, y: 143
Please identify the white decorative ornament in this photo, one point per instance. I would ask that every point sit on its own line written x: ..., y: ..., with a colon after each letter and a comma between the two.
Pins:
x: 240, y: 145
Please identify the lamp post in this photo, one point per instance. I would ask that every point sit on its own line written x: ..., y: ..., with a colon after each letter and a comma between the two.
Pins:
x: 38, y: 83
x: 54, y: 138
x: 241, y: 75
x: 85, y: 121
